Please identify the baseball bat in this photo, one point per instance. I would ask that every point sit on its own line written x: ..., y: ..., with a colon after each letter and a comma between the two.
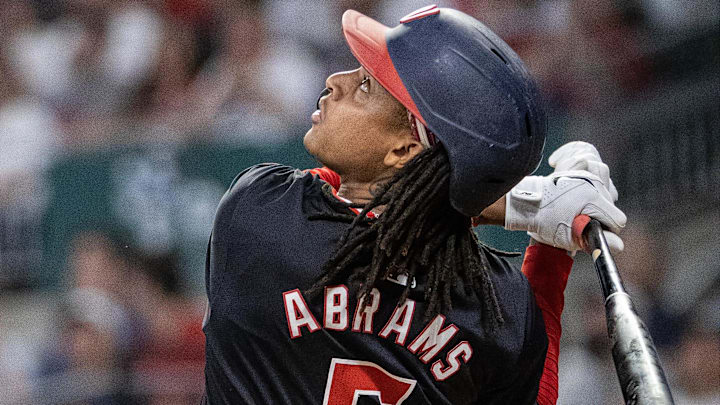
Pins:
x: 638, y: 367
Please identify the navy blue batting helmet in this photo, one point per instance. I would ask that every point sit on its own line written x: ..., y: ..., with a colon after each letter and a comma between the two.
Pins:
x: 468, y: 87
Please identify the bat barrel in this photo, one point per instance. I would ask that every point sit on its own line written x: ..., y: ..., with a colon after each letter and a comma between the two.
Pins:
x: 640, y: 374
x: 638, y: 367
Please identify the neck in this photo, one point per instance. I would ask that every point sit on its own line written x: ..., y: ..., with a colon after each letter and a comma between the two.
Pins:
x: 362, y: 192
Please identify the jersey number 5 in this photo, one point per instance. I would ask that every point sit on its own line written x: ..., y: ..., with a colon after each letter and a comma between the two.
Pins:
x: 348, y: 380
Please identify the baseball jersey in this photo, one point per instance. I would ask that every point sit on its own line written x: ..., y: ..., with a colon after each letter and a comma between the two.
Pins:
x: 269, y: 342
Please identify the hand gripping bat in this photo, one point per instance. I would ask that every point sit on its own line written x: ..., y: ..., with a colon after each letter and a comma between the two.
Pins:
x: 640, y: 374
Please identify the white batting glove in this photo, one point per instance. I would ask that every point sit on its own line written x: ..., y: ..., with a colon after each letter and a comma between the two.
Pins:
x: 580, y: 155
x: 545, y: 207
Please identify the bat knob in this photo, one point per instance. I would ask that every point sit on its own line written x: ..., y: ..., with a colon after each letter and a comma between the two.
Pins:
x: 578, y: 228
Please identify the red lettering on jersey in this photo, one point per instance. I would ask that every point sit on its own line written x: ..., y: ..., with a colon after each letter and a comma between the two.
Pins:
x: 441, y: 372
x: 400, y: 322
x: 336, y: 308
x: 433, y: 339
x: 298, y: 314
x: 364, y: 320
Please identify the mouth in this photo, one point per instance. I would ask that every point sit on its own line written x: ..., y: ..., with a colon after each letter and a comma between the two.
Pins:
x: 316, y: 117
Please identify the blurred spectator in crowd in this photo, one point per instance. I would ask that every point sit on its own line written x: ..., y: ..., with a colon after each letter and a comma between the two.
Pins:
x: 165, y: 102
x: 86, y: 367
x: 697, y: 367
x: 88, y: 363
x: 168, y: 369
x: 97, y: 263
x: 126, y: 333
x: 254, y: 87
x: 28, y: 140
x: 644, y: 270
x: 586, y: 373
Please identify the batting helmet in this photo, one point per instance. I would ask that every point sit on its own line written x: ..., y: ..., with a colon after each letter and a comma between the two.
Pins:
x: 467, y: 86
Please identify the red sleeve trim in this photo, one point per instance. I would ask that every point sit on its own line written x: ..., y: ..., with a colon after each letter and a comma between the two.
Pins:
x: 328, y: 175
x: 547, y: 269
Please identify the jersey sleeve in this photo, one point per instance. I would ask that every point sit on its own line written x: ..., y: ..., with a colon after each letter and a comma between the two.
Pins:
x: 547, y: 269
x: 253, y: 187
x: 327, y: 175
x: 528, y: 373
x: 517, y: 381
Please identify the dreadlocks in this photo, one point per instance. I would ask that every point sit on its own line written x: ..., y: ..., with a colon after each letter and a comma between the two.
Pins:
x: 419, y: 232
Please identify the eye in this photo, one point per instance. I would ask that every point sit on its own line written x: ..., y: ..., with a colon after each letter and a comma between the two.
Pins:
x: 365, y: 84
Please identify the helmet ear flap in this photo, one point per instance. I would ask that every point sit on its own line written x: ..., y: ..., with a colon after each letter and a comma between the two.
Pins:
x: 420, y: 132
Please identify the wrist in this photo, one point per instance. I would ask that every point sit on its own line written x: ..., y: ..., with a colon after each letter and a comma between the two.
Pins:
x: 492, y: 215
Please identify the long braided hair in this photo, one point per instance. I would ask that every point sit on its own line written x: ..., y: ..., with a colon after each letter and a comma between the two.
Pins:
x: 419, y: 232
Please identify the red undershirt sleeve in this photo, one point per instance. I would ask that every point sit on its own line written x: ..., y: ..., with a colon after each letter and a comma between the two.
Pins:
x: 328, y: 175
x: 547, y: 269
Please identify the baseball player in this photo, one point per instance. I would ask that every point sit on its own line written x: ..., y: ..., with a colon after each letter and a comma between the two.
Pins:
x: 362, y: 282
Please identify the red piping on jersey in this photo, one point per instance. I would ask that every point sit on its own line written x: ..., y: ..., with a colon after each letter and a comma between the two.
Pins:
x: 333, y: 179
x: 357, y: 211
x: 547, y: 269
x: 326, y: 174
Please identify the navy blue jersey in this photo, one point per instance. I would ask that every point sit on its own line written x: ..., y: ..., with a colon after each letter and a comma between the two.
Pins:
x: 268, y: 342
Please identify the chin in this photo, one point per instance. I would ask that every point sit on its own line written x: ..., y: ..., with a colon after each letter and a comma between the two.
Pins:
x: 318, y: 148
x: 308, y: 140
x: 311, y: 143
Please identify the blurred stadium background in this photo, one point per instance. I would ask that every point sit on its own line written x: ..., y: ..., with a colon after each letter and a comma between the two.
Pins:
x: 122, y: 122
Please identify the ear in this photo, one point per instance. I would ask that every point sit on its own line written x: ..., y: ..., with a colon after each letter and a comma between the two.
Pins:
x: 403, y: 151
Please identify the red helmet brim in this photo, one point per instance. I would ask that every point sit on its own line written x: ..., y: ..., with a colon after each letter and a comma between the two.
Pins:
x: 366, y: 39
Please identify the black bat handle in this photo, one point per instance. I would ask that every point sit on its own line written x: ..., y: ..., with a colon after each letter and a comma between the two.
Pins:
x: 638, y: 367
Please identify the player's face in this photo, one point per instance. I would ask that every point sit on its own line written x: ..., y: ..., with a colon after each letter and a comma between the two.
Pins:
x: 356, y: 126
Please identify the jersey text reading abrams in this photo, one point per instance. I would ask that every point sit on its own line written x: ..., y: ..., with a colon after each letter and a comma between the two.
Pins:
x: 426, y: 345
